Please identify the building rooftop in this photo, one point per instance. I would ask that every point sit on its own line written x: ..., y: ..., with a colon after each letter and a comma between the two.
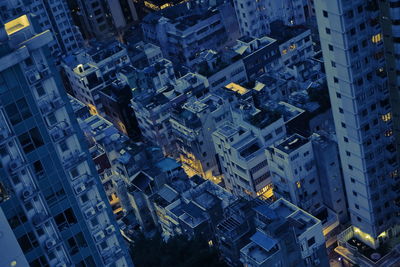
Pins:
x: 247, y: 45
x: 168, y: 165
x: 297, y: 218
x: 183, y: 16
x: 292, y: 143
x: 282, y: 33
x: 237, y: 88
x: 261, y: 247
x: 263, y: 118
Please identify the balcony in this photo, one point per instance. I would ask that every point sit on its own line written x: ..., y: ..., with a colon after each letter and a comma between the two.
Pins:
x: 357, y: 251
x: 40, y: 218
x: 4, y: 193
x: 74, y: 158
x: 50, y: 104
x: 34, y: 76
x: 4, y: 134
x: 61, y: 131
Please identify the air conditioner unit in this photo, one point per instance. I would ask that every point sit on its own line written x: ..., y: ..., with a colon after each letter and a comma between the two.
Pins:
x: 45, y: 72
x: 99, y: 236
x: 57, y: 102
x: 50, y: 243
x: 33, y: 77
x: 110, y: 229
x: 45, y: 108
x: 15, y: 164
x: 68, y: 131
x: 117, y: 251
x: 57, y: 135
x: 80, y: 188
x: 101, y: 205
x: 27, y: 192
x: 89, y: 212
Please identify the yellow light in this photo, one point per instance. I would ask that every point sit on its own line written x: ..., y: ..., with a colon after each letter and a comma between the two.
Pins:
x: 92, y: 109
x: 367, y: 236
x: 13, y: 263
x: 237, y: 88
x: 284, y: 51
x: 298, y: 184
x: 383, y: 234
x: 16, y: 25
x: 377, y: 38
x: 357, y: 230
x: 151, y: 5
x: 386, y: 117
x: 165, y: 5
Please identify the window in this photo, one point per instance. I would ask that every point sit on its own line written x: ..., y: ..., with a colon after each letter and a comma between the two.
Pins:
x: 335, y: 80
x: 28, y: 242
x: 328, y: 31
x: 31, y: 140
x: 330, y: 47
x: 63, y: 146
x: 65, y: 219
x: 39, y: 262
x: 38, y: 169
x: 325, y: 13
x: 18, y: 111
x: 311, y: 241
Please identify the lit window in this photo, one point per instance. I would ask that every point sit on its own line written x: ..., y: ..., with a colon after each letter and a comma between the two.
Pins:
x: 386, y: 117
x: 377, y: 38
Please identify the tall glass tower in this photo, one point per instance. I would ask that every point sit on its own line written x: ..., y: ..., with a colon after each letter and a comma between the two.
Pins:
x: 362, y: 98
x: 49, y: 188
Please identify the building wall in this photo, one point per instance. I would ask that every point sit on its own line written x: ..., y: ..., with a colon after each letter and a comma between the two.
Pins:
x: 57, y: 212
x: 356, y: 76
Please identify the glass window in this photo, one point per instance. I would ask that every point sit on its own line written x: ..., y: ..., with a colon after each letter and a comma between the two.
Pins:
x: 31, y: 140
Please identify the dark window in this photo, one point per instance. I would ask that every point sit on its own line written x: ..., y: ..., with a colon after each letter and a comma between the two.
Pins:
x: 27, y: 242
x: 18, y: 111
x: 38, y: 169
x: 65, y: 219
x: 31, y: 140
x: 311, y: 241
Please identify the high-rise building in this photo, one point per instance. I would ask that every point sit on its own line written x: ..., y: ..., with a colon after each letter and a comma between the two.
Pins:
x: 56, y: 206
x: 11, y: 253
x: 354, y: 54
x: 101, y: 19
x: 255, y: 17
x: 51, y: 15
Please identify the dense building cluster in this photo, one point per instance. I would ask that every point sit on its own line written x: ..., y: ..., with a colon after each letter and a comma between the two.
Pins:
x: 268, y: 128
